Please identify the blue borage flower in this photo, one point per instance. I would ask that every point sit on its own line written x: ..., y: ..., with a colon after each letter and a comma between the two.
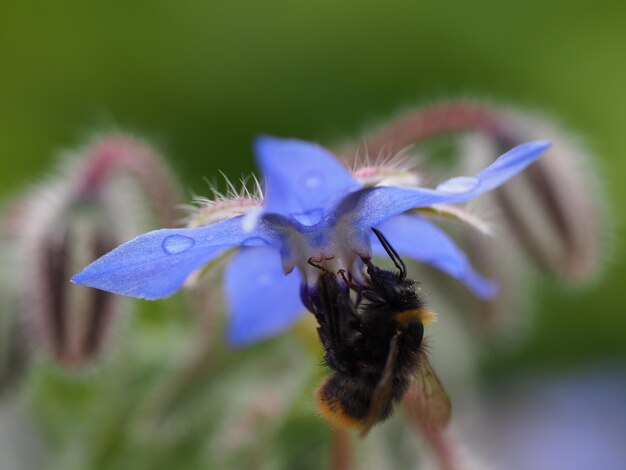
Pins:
x: 314, y: 209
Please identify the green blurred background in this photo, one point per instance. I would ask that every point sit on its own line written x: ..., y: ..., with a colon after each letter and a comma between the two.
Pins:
x: 202, y: 78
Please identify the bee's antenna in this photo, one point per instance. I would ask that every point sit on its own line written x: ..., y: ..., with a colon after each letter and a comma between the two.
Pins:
x: 393, y: 254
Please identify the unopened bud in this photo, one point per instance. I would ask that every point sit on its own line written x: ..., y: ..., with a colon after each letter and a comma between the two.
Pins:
x: 68, y: 222
x: 555, y: 209
x: 13, y: 350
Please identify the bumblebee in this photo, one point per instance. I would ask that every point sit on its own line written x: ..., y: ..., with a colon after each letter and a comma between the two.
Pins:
x: 373, y: 338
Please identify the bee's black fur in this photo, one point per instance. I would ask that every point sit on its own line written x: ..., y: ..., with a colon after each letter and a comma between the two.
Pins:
x: 357, y: 336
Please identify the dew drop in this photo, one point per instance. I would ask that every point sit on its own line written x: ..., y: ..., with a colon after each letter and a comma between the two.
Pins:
x: 312, y: 179
x: 309, y: 218
x: 460, y: 184
x: 254, y: 241
x: 176, y: 244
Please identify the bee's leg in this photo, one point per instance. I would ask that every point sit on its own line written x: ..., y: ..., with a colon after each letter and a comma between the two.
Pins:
x: 349, y: 321
x: 357, y: 288
x: 331, y: 293
x: 347, y: 278
x: 316, y: 264
x: 362, y: 291
x: 339, y: 326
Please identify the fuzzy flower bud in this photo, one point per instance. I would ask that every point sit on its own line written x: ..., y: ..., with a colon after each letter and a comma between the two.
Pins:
x: 68, y: 220
x: 556, y: 210
x: 545, y: 207
x: 12, y: 348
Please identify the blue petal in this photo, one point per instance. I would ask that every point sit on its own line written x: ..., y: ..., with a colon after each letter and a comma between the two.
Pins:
x: 156, y: 264
x: 302, y: 179
x: 369, y: 207
x: 263, y: 300
x: 418, y: 238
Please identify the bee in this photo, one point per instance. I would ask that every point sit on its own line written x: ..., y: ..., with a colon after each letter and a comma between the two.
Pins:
x: 373, y: 338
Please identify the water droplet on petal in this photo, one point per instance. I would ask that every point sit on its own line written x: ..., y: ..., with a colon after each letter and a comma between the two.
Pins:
x: 254, y: 241
x: 312, y: 179
x: 309, y: 218
x: 460, y: 184
x: 176, y: 244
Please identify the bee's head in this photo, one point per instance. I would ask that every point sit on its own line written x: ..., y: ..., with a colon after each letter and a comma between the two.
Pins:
x: 392, y: 286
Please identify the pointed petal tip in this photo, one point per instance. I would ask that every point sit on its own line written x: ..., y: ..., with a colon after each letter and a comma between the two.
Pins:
x: 526, y: 152
x: 235, y: 340
x: 264, y: 142
x: 263, y: 139
x: 485, y: 289
x: 82, y: 277
x: 239, y: 336
x: 266, y: 145
x: 538, y: 145
x: 94, y: 280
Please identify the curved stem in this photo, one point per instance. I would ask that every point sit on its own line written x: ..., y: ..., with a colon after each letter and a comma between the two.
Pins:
x: 440, y: 441
x: 429, y: 121
x: 341, y: 451
x: 119, y: 153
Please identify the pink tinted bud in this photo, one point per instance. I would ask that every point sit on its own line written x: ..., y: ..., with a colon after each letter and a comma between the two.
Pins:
x: 72, y: 219
x: 556, y: 210
x: 545, y: 205
x: 122, y: 155
x: 13, y: 350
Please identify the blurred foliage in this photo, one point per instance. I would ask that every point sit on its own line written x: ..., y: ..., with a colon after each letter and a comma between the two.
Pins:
x: 202, y: 78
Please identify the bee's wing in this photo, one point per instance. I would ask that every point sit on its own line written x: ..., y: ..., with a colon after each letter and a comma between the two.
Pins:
x: 382, y: 393
x: 429, y: 401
